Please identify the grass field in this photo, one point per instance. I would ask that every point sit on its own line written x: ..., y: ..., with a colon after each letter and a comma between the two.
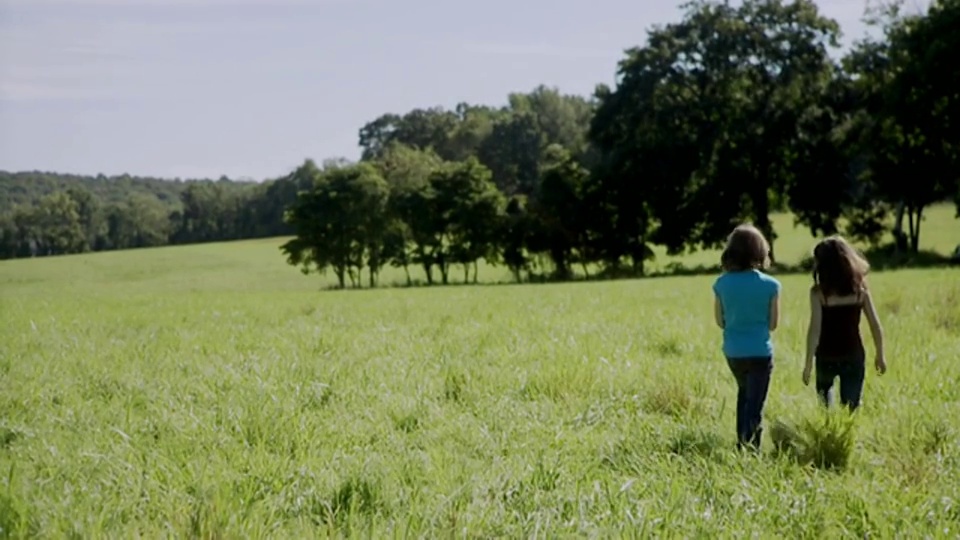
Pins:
x: 211, y: 391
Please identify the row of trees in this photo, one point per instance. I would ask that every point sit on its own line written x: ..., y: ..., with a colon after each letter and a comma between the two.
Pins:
x: 731, y: 114
x: 45, y: 214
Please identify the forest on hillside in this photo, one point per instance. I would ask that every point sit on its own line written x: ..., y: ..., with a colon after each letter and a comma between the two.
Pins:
x: 730, y: 114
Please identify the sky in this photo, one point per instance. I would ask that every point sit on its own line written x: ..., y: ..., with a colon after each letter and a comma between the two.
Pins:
x: 251, y: 88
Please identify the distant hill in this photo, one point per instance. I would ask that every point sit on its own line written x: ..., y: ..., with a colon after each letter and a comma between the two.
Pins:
x: 25, y: 188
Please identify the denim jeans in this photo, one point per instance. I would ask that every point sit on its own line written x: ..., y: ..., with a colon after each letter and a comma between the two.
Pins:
x: 850, y: 370
x: 753, y: 381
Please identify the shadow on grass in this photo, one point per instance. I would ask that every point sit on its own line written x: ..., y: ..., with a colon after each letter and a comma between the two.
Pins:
x: 887, y: 258
x: 700, y: 443
x: 881, y: 258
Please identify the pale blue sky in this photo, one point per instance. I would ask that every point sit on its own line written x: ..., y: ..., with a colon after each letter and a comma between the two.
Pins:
x: 249, y: 88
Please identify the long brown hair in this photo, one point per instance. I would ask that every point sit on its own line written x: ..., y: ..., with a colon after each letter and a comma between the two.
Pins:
x: 838, y: 268
x: 747, y: 249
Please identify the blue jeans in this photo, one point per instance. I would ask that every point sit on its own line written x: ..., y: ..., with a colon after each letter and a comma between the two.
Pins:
x: 850, y: 369
x: 753, y: 381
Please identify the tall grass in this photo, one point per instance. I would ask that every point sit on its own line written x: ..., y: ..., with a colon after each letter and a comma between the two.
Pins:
x: 212, y: 392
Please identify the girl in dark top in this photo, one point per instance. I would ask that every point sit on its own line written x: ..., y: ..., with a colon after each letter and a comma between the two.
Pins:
x: 838, y: 297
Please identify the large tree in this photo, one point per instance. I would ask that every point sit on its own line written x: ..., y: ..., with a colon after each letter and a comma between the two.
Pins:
x: 561, y: 216
x: 915, y: 132
x: 407, y: 172
x: 708, y: 111
x: 340, y: 223
x: 462, y: 210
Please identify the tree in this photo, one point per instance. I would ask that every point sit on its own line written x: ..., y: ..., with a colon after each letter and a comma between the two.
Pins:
x: 407, y: 172
x: 648, y: 153
x: 55, y: 225
x: 513, y: 237
x: 532, y: 122
x: 561, y: 212
x: 474, y: 126
x: 340, y: 223
x: 476, y: 207
x: 141, y: 222
x: 916, y: 131
x: 88, y: 211
x: 512, y: 153
x: 561, y: 119
x: 461, y: 211
x: 720, y: 96
x: 827, y: 165
x: 422, y: 129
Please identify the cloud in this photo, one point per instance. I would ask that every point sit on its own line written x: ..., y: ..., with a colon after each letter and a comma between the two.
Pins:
x: 169, y: 3
x: 538, y: 49
x: 21, y: 91
x: 88, y: 51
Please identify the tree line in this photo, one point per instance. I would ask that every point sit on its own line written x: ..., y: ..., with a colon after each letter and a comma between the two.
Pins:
x: 43, y: 214
x: 730, y: 114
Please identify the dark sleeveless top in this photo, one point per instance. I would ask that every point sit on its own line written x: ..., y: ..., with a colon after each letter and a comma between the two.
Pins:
x: 840, y: 330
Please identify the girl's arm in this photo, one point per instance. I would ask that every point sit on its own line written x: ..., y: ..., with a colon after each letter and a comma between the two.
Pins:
x: 717, y: 311
x: 875, y: 329
x: 774, y: 312
x: 813, y: 329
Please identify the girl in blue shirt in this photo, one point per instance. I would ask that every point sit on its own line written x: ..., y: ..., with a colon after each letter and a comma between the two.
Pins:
x: 747, y: 308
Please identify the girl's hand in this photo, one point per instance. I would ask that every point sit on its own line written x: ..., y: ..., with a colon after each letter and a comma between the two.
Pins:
x: 881, y: 364
x: 806, y: 374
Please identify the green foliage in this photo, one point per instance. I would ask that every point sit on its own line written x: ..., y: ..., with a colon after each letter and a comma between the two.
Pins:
x: 124, y: 212
x: 826, y: 444
x: 717, y: 99
x: 341, y: 223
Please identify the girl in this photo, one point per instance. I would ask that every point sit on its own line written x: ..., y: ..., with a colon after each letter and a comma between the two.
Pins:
x: 838, y: 296
x: 747, y: 308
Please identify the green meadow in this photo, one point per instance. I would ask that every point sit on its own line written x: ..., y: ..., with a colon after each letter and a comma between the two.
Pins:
x: 213, y: 391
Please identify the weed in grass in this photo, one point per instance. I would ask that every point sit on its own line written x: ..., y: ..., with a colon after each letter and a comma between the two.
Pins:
x: 353, y: 496
x: 407, y: 422
x: 946, y: 313
x: 15, y: 522
x: 826, y: 444
x: 315, y: 395
x: 671, y: 398
x: 697, y: 442
x: 454, y: 386
x: 8, y: 437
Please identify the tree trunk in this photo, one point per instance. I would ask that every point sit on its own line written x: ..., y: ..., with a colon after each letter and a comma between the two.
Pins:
x: 339, y: 271
x: 761, y: 210
x: 406, y: 270
x: 912, y: 227
x: 638, y: 267
x: 428, y: 269
x: 476, y: 270
x: 638, y: 251
x: 466, y: 273
x: 559, y: 257
x: 899, y: 239
x: 444, y: 268
x: 915, y: 219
